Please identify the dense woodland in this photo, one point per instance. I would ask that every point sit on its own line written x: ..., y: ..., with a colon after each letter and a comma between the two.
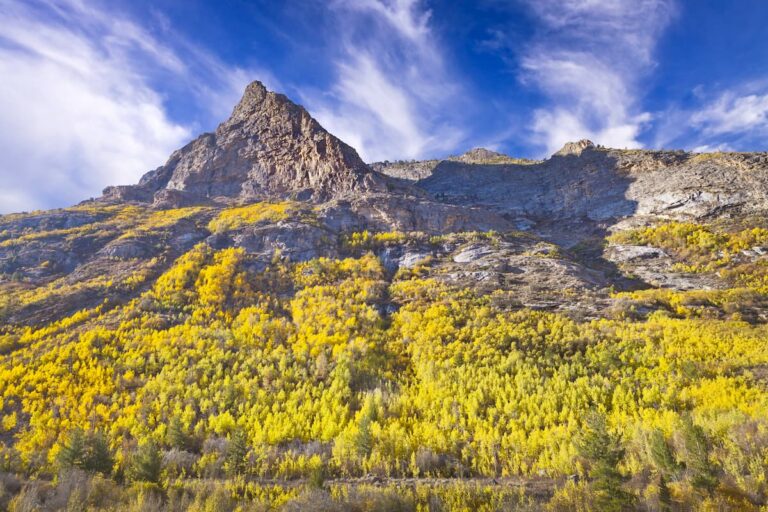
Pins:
x: 228, y: 384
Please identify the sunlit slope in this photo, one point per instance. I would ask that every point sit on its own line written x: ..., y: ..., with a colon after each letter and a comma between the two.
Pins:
x: 342, y: 364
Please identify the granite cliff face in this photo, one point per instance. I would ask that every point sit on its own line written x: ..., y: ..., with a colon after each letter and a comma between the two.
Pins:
x: 483, y: 220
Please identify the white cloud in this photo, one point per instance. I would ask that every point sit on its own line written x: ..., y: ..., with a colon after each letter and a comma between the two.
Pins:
x: 587, y: 58
x: 67, y: 133
x: 391, y: 95
x: 78, y: 109
x: 402, y: 15
x: 707, y: 148
x: 733, y: 113
x: 727, y: 119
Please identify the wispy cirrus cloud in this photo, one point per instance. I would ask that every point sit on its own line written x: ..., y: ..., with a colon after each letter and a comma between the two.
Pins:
x: 392, y: 87
x: 719, y: 119
x: 587, y: 57
x: 733, y: 113
x: 79, y: 103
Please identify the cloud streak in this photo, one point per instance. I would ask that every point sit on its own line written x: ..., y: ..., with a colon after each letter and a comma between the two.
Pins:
x: 79, y: 105
x: 732, y: 113
x: 587, y: 58
x: 727, y: 119
x: 391, y: 88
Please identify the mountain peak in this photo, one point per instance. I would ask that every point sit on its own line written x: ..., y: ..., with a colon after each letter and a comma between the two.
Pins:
x: 257, y: 98
x: 575, y: 148
x: 479, y: 155
x: 253, y: 97
x: 255, y: 90
x: 270, y: 147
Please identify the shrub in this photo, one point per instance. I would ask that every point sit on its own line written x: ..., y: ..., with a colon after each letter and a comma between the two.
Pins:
x: 179, y: 463
x: 30, y: 499
x: 572, y: 497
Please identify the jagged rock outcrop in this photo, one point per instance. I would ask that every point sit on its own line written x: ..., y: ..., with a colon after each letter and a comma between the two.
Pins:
x: 409, y: 171
x: 486, y: 156
x: 269, y: 148
x: 575, y: 148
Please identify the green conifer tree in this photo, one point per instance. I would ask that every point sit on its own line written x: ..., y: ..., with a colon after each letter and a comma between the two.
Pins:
x: 661, y: 455
x: 73, y: 451
x: 604, y: 452
x: 147, y: 464
x: 177, y: 436
x: 98, y: 457
x: 697, y: 447
x: 237, y: 451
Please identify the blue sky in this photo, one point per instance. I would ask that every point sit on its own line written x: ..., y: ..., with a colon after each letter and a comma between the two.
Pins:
x: 98, y: 92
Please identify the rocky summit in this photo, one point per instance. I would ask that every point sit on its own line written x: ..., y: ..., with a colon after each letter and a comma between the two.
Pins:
x: 266, y: 316
x: 268, y: 148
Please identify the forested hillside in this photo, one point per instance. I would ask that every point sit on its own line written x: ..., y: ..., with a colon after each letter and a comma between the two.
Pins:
x: 331, y: 368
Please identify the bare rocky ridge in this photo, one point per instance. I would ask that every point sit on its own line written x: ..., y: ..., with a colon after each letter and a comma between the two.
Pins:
x: 409, y: 171
x: 415, y: 170
x: 597, y: 188
x: 575, y: 148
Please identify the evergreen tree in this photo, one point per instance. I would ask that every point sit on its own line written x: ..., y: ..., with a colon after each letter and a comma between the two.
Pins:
x: 147, y: 464
x: 73, y: 452
x: 661, y: 455
x: 697, y: 447
x: 665, y: 465
x: 237, y: 451
x: 604, y: 452
x: 367, y: 415
x: 98, y: 457
x: 177, y: 436
x: 363, y: 438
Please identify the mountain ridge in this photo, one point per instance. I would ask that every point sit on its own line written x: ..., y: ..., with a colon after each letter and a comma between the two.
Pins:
x: 271, y: 148
x: 294, y: 189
